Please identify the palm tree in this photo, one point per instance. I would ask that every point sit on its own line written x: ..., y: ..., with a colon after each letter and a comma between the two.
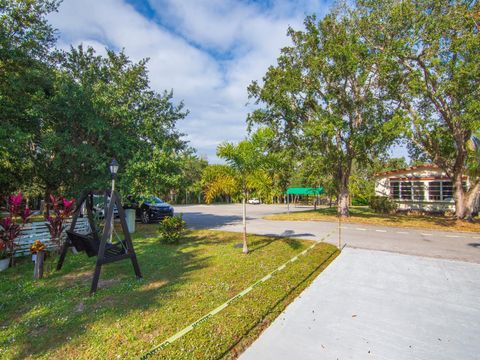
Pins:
x: 244, y: 159
x: 223, y: 184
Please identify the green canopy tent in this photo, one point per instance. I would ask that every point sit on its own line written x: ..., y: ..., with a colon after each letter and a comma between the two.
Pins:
x: 302, y: 191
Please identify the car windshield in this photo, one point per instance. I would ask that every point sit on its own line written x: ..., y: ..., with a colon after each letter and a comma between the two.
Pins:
x: 152, y: 200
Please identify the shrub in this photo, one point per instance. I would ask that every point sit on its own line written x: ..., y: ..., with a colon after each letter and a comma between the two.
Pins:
x: 382, y: 205
x: 360, y: 201
x: 171, y: 229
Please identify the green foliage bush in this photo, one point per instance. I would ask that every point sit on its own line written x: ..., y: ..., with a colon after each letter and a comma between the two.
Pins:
x: 171, y: 229
x: 382, y: 205
x: 359, y: 201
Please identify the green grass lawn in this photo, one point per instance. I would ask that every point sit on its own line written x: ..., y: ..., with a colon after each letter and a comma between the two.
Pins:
x: 55, y: 318
x: 364, y: 215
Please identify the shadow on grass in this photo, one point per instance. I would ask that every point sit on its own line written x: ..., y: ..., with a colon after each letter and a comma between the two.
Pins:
x: 255, y: 242
x: 260, y: 244
x: 55, y: 310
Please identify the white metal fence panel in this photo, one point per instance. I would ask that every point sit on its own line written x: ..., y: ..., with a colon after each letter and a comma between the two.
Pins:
x: 39, y: 231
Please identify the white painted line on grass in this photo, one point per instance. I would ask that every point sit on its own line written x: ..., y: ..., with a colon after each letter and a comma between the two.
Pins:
x: 381, y: 230
x: 402, y: 232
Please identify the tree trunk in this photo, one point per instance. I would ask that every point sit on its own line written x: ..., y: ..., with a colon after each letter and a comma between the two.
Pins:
x: 46, y: 209
x: 343, y: 201
x: 459, y: 196
x: 343, y: 197
x: 244, y: 218
x: 465, y: 202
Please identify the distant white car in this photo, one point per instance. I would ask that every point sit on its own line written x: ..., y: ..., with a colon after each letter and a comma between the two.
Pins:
x: 254, y: 201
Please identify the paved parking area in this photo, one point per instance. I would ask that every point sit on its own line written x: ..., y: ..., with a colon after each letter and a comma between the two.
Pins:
x: 380, y: 305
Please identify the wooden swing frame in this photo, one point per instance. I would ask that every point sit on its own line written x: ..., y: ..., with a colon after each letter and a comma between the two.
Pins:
x: 97, y: 246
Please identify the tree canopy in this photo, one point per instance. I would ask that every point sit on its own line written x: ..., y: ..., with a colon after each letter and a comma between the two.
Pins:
x: 433, y: 51
x: 66, y: 114
x: 324, y: 99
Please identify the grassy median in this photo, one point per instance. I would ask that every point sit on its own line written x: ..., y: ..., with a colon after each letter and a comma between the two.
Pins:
x: 364, y: 215
x: 55, y: 318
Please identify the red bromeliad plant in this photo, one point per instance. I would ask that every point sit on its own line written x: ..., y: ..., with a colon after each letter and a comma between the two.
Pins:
x: 3, y: 250
x: 9, y: 229
x: 62, y: 209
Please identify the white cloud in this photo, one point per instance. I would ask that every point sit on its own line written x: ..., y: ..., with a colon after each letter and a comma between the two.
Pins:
x: 206, y: 51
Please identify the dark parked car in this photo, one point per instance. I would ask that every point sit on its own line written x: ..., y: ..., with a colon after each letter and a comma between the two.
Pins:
x: 149, y: 209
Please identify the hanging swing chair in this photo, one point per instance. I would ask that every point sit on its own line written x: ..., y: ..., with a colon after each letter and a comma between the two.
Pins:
x: 98, y: 245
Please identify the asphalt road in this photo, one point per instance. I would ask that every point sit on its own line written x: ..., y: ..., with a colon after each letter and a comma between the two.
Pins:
x: 430, y: 243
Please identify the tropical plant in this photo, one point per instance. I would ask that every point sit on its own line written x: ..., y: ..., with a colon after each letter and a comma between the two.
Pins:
x: 245, y: 158
x: 219, y: 181
x: 9, y: 228
x: 62, y: 210
x: 3, y: 250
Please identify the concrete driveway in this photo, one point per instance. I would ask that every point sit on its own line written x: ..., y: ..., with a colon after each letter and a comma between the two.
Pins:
x: 379, y: 305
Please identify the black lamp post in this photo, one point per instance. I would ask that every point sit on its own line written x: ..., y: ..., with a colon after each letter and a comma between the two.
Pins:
x: 113, y: 171
x: 114, y: 168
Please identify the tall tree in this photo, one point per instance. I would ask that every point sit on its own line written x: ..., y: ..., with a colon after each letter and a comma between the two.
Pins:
x: 25, y: 82
x: 190, y: 184
x: 323, y: 97
x: 102, y: 107
x: 433, y: 47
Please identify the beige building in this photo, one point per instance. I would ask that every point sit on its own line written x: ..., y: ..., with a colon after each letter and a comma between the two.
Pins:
x: 423, y: 187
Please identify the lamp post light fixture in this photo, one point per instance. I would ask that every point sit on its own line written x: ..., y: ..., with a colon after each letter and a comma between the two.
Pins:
x: 113, y: 168
x: 113, y: 171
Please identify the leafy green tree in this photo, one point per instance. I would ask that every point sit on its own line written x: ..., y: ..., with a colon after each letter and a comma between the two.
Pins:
x: 433, y: 51
x: 323, y: 98
x: 192, y: 167
x: 25, y: 82
x: 103, y: 108
x: 66, y: 114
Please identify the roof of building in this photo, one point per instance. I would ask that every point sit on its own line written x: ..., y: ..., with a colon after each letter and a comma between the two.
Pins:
x: 412, y: 168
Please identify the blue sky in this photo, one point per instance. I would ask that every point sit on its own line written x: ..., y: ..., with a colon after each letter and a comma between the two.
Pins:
x: 207, y: 51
